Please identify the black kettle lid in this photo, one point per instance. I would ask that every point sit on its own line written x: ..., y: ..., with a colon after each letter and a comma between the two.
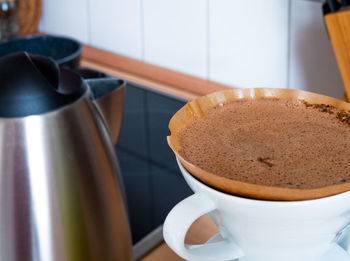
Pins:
x: 33, y: 84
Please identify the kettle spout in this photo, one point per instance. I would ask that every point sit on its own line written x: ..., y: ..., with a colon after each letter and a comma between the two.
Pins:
x: 109, y: 97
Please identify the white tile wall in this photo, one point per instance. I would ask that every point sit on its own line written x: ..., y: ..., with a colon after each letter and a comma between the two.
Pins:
x: 248, y: 42
x: 175, y: 35
x: 313, y: 66
x: 66, y: 17
x: 236, y: 42
x: 115, y: 25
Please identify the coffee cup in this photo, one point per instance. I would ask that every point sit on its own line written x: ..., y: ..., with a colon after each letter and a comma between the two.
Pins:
x: 257, y: 222
x: 261, y: 230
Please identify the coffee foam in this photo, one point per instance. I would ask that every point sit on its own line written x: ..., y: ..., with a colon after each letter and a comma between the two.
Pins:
x: 271, y: 142
x: 271, y: 146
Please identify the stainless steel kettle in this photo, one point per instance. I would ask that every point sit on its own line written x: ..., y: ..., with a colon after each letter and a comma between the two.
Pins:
x: 60, y: 196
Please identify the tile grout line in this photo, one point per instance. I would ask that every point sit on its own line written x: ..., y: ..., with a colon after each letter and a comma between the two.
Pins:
x: 142, y: 30
x: 289, y: 44
x: 207, y: 40
x: 88, y: 24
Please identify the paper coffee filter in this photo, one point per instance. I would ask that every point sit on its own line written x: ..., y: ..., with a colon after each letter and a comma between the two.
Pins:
x: 197, y: 108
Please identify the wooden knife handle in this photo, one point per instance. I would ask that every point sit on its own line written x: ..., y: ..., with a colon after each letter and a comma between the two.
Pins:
x: 338, y: 25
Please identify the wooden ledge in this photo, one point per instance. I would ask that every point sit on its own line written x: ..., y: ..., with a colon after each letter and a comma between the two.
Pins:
x: 147, y: 73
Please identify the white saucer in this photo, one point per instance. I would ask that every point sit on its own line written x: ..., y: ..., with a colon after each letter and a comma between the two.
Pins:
x: 336, y: 253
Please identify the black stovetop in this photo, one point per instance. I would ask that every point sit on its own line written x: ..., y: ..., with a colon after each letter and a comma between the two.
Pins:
x: 152, y: 179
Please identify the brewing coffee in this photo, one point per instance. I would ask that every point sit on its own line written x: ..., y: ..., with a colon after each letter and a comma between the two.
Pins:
x: 285, y: 143
x: 267, y: 145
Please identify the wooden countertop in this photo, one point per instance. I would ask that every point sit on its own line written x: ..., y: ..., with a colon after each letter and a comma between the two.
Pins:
x: 144, y: 82
x: 152, y: 73
x: 201, y: 230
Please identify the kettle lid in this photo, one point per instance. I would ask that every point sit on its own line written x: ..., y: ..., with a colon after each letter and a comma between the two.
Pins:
x: 33, y: 84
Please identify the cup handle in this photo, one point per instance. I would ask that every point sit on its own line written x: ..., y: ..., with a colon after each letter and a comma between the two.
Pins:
x: 179, y: 221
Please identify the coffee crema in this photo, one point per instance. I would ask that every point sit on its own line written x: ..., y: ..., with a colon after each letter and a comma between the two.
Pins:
x: 274, y: 142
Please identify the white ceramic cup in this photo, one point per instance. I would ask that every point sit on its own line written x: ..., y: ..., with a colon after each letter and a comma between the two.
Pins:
x: 260, y: 230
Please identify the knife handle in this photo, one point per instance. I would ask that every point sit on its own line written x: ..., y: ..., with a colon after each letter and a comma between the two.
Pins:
x: 338, y: 26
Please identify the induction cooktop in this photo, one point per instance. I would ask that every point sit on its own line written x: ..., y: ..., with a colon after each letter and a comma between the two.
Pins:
x: 153, y: 183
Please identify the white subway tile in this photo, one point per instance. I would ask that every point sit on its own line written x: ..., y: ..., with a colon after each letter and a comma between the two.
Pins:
x: 116, y: 26
x: 248, y: 42
x: 175, y: 35
x: 313, y: 65
x: 66, y: 17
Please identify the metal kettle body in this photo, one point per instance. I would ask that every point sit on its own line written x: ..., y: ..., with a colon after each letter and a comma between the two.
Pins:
x: 60, y: 196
